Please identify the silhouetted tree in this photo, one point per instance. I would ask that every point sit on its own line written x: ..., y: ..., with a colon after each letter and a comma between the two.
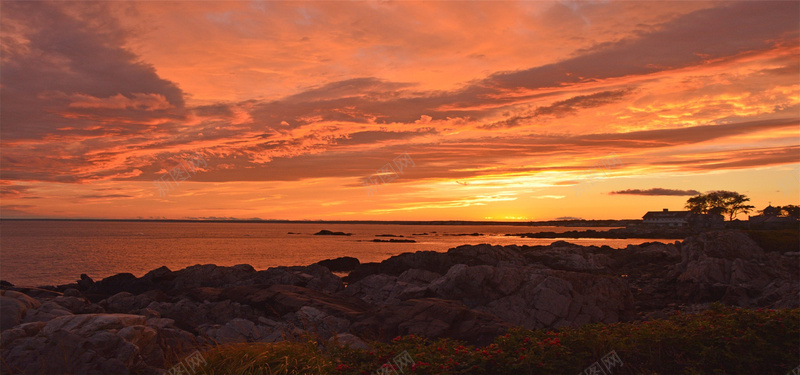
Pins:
x: 771, y: 211
x: 719, y: 202
x: 704, y: 204
x: 791, y: 211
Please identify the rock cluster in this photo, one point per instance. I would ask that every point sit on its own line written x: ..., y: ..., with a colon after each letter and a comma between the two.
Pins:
x: 125, y: 324
x: 730, y: 267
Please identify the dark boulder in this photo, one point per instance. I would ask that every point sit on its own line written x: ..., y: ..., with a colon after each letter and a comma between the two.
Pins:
x: 341, y: 264
x: 431, y: 317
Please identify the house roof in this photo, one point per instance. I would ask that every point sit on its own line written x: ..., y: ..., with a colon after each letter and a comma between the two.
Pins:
x: 770, y: 219
x: 667, y: 215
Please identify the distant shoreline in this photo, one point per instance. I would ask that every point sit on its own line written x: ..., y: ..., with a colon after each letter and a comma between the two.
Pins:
x: 557, y: 223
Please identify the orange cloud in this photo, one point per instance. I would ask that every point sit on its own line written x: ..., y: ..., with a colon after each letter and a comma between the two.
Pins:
x: 502, y: 97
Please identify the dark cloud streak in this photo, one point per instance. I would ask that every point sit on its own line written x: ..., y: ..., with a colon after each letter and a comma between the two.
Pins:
x: 563, y: 107
x: 656, y: 191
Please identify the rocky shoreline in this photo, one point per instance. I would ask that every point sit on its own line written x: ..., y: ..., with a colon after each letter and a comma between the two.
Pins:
x: 617, y: 233
x: 124, y: 324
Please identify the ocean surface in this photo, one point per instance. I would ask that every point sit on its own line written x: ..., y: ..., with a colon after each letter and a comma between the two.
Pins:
x: 36, y: 253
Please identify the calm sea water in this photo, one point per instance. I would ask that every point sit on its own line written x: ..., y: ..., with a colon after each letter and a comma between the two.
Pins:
x: 35, y: 253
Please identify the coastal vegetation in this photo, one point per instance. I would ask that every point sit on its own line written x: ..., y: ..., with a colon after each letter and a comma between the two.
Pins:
x: 720, y: 340
x: 782, y: 240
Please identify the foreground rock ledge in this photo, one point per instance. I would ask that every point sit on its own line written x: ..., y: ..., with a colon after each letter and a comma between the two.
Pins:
x: 125, y: 324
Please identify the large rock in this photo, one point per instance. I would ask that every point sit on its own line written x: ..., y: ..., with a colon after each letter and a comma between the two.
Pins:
x: 240, y: 330
x: 537, y: 298
x: 340, y: 264
x: 486, y: 255
x: 122, y: 282
x: 124, y: 302
x: 13, y: 307
x: 86, y: 344
x: 47, y: 311
x: 188, y: 314
x: 349, y: 340
x: 375, y: 289
x: 78, y: 305
x: 562, y: 255
x: 279, y: 300
x: 86, y: 324
x: 22, y: 330
x: 431, y: 317
x: 201, y: 282
x: 436, y: 262
x: 320, y: 323
x: 728, y: 266
x: 385, y: 289
x: 314, y: 277
x: 478, y: 285
x: 211, y: 275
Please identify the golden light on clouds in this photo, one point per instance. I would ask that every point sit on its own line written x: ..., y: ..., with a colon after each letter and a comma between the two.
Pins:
x: 506, y: 108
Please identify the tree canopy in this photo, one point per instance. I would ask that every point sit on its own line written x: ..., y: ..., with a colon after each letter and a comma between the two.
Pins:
x: 789, y: 210
x: 719, y: 202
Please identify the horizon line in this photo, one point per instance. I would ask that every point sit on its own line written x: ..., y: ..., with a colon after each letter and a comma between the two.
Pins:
x: 309, y: 221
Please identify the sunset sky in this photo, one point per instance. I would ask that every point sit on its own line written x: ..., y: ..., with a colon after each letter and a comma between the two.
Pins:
x: 531, y: 110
